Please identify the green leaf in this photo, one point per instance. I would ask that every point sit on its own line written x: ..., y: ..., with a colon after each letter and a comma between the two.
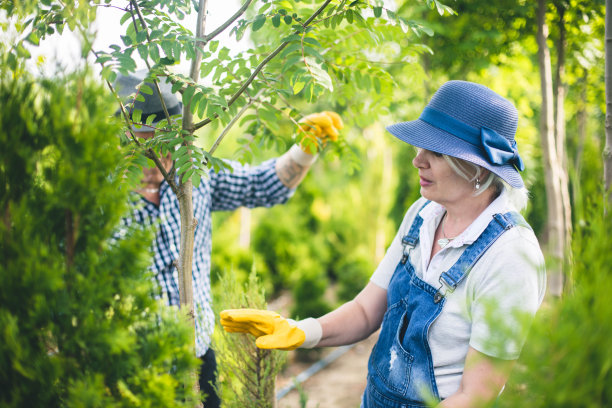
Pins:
x: 167, y: 61
x: 146, y: 89
x: 202, y: 107
x: 183, y: 163
x: 102, y: 58
x: 176, y: 86
x: 276, y: 20
x: 288, y: 20
x: 125, y: 18
x: 188, y: 174
x: 195, y: 179
x: 154, y: 52
x: 150, y: 119
x: 377, y: 85
x: 126, y: 40
x: 290, y: 48
x: 197, y: 96
x: 247, y: 118
x: 141, y: 36
x: 137, y: 115
x: 213, y: 45
x: 349, y: 16
x: 267, y: 115
x: 208, y: 67
x: 297, y: 87
x: 33, y: 38
x: 154, y: 34
x: 143, y: 52
x: 313, y: 41
x: 292, y: 37
x: 188, y: 94
x: 259, y: 22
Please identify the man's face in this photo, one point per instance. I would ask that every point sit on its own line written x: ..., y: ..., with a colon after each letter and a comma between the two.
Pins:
x: 152, y: 175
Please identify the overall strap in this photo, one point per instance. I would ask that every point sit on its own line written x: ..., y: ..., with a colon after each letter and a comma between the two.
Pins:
x: 497, y: 226
x: 410, y: 240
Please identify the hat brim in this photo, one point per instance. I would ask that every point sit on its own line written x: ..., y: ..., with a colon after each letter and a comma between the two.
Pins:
x: 421, y: 134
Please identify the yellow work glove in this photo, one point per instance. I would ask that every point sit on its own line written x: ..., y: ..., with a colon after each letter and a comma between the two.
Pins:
x: 317, y: 129
x: 272, y: 330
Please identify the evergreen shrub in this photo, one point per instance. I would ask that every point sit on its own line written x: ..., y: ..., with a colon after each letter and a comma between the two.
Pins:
x: 247, y: 374
x: 79, y: 326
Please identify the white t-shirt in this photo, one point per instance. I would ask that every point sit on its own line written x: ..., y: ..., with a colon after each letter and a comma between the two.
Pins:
x: 508, y: 281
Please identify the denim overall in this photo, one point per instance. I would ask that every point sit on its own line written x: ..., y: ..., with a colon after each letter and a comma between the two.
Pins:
x: 400, y: 369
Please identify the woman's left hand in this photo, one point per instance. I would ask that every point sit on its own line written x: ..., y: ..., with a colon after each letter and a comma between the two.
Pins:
x: 482, y: 381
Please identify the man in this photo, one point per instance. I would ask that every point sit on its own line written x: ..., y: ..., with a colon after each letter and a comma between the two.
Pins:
x: 270, y: 183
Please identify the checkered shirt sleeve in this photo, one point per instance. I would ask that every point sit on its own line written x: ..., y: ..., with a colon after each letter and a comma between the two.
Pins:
x: 224, y: 190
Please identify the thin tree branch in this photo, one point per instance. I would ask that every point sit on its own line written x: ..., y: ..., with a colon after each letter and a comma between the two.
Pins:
x: 262, y: 65
x: 229, y: 22
x: 233, y: 121
x: 155, y: 82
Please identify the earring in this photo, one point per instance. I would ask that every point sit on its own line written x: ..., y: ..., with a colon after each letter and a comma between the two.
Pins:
x: 477, y: 186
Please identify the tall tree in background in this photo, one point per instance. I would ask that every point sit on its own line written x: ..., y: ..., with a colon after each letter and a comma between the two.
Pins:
x: 608, y: 147
x: 556, y: 190
x: 560, y: 90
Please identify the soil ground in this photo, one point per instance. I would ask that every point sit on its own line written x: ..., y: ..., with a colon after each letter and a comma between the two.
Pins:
x: 338, y: 385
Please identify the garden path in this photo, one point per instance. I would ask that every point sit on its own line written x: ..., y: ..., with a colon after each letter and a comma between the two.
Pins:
x: 338, y: 385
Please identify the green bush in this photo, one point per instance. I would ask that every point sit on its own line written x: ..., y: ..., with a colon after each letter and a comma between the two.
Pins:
x: 353, y: 275
x: 78, y: 323
x: 567, y: 361
x: 247, y: 374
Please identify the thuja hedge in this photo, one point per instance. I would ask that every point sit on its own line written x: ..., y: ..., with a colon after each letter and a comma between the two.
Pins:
x: 79, y: 325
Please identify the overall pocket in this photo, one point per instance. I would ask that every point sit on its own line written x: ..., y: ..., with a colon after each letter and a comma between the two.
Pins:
x: 391, y: 361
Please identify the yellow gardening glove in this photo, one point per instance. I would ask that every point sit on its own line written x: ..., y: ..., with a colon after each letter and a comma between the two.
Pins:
x: 272, y: 330
x: 317, y: 129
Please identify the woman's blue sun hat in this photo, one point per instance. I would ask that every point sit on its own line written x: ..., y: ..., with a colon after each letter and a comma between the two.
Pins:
x: 470, y: 122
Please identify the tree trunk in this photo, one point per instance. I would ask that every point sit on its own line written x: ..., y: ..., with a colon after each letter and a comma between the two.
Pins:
x: 554, y: 229
x: 560, y: 135
x: 576, y: 174
x: 607, y: 153
x: 185, y: 198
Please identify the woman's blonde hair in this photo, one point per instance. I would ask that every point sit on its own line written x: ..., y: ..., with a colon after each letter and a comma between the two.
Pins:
x: 471, y: 172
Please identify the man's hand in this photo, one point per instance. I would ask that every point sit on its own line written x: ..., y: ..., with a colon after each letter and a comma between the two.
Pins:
x: 272, y: 330
x: 317, y: 129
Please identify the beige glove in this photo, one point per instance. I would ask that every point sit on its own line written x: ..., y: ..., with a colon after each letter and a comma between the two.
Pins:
x: 271, y: 329
x: 317, y: 129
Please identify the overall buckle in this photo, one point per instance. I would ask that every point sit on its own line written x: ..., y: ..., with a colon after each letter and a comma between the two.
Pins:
x: 443, y: 290
x: 408, y: 245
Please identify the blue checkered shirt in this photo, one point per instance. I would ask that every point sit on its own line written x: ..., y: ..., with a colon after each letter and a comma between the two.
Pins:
x: 225, y: 190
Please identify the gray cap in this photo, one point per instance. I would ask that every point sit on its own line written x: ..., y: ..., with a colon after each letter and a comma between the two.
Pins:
x: 125, y: 85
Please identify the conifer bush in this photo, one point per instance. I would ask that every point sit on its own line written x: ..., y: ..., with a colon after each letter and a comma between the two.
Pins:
x: 79, y: 325
x: 247, y: 374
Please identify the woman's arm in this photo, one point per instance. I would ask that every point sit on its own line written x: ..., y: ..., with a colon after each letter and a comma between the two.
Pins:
x: 482, y: 381
x: 355, y: 320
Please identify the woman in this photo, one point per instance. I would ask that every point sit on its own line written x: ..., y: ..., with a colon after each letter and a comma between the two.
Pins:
x: 463, y: 277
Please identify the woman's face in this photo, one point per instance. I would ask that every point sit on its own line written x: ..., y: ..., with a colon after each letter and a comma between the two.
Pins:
x: 438, y: 180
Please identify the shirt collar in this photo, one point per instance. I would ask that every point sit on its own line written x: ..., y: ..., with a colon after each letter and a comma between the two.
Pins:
x: 473, y: 231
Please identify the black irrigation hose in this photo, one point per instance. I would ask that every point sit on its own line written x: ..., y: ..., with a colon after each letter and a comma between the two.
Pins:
x: 313, y: 369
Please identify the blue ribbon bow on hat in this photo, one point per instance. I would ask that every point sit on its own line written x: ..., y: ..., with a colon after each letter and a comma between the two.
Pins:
x: 498, y: 149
